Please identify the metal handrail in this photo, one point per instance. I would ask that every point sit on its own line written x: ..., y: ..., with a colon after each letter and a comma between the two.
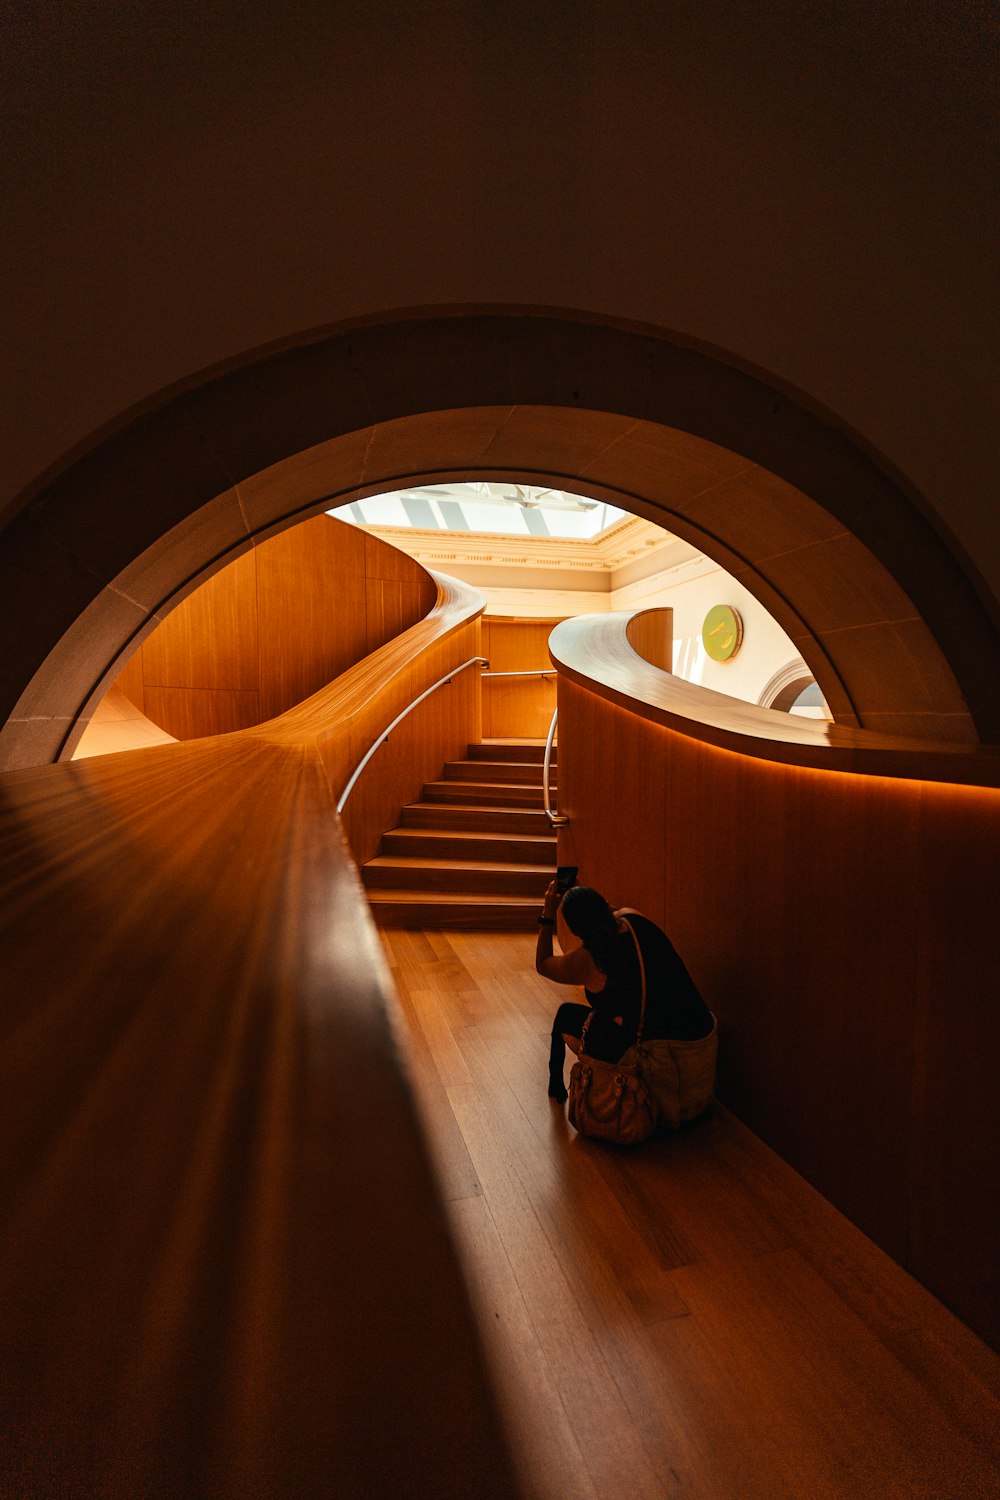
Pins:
x: 532, y: 672
x: 474, y: 661
x: 557, y: 819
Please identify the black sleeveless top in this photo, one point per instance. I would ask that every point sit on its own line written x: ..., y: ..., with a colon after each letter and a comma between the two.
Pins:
x: 674, y: 1008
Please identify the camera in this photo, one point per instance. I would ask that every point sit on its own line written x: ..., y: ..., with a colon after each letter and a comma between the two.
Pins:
x: 565, y: 877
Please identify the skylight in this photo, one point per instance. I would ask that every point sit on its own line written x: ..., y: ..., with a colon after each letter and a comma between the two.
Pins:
x: 496, y: 508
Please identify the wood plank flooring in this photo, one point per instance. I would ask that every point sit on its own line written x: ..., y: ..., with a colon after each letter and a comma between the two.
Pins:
x: 687, y: 1319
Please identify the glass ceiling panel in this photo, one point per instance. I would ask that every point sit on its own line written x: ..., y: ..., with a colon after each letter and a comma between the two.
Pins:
x: 491, y: 507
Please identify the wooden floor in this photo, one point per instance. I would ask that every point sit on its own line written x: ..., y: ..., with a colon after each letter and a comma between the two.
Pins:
x: 687, y: 1319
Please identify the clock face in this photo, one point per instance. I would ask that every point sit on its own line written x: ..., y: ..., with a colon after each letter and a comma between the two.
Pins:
x: 722, y: 632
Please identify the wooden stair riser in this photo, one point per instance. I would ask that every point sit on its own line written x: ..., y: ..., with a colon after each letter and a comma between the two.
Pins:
x: 454, y: 815
x: 507, y: 773
x: 533, y: 753
x: 503, y: 880
x: 482, y: 794
x: 476, y: 915
x: 434, y: 843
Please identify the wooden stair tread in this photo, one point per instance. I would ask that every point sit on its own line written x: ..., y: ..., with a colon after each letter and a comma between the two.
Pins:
x: 394, y: 894
x: 478, y: 764
x: 480, y: 913
x: 453, y: 814
x: 528, y: 750
x: 487, y: 807
x: 450, y: 817
x: 484, y: 760
x: 485, y: 788
x: 470, y: 844
x: 455, y: 792
x: 470, y: 835
x: 495, y: 786
x: 430, y: 862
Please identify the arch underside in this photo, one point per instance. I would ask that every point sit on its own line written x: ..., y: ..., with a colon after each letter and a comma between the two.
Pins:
x: 848, y: 563
x: 784, y: 687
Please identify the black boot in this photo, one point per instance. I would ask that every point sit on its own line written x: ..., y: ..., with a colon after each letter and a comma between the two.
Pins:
x: 557, y: 1056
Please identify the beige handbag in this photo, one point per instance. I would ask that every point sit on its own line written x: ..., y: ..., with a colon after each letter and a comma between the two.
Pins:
x: 681, y: 1076
x: 610, y: 1101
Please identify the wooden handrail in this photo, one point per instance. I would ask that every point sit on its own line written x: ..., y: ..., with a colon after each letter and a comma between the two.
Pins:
x: 445, y: 681
x: 556, y: 818
x: 594, y: 651
x: 534, y: 672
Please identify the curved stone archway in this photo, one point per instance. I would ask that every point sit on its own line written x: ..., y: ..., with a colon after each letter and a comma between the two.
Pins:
x: 849, y: 564
x: 781, y: 691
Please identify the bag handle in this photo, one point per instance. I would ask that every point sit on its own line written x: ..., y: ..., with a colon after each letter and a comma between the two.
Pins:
x: 642, y: 1007
x: 642, y: 976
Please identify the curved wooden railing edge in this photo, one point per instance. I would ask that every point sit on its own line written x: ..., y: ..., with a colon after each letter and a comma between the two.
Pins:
x: 594, y: 652
x: 336, y: 704
x: 214, y: 1055
x: 337, y: 701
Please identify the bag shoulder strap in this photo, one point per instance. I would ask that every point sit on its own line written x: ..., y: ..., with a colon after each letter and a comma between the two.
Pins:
x: 642, y: 976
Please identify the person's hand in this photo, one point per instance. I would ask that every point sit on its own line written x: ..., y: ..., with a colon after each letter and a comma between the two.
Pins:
x: 550, y: 903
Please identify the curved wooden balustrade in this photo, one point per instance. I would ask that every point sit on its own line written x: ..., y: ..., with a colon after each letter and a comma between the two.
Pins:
x: 594, y: 651
x: 833, y: 892
x: 320, y: 718
x: 344, y: 719
x: 275, y: 625
x: 225, y: 1260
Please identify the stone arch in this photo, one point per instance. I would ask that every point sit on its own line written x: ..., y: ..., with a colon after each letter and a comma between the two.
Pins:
x: 781, y: 691
x: 845, y: 557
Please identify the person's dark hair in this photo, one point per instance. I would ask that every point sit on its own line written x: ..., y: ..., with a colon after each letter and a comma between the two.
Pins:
x: 589, y: 917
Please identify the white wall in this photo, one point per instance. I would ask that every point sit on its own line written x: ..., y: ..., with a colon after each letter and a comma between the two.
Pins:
x: 689, y: 590
x: 540, y: 604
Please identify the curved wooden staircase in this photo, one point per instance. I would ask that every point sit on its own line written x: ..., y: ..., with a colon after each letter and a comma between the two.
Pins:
x: 477, y: 850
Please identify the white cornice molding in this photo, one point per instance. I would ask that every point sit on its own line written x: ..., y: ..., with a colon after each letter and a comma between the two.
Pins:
x: 623, y: 544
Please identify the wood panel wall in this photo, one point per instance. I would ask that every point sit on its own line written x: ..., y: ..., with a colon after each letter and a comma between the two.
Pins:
x: 273, y: 627
x: 842, y: 927
x: 517, y: 707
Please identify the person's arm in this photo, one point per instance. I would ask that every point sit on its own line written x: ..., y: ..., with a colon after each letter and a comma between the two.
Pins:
x: 566, y: 968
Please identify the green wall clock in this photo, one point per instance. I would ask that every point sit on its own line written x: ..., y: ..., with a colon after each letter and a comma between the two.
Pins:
x: 722, y: 632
